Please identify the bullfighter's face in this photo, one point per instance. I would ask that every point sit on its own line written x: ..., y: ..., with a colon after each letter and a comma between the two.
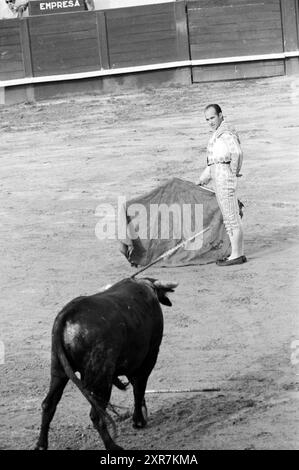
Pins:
x: 213, y: 119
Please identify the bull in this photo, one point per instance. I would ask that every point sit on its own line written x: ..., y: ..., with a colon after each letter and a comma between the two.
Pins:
x: 96, y: 339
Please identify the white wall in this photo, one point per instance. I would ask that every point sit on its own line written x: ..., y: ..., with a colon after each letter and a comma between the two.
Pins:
x: 105, y: 4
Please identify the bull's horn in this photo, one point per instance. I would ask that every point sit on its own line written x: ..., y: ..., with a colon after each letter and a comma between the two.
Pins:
x: 102, y: 289
x: 166, y: 285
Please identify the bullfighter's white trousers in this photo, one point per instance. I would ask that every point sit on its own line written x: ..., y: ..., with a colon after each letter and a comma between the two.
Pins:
x: 225, y: 185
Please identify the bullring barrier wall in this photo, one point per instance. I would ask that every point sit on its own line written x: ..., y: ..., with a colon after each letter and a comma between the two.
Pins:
x: 194, y: 41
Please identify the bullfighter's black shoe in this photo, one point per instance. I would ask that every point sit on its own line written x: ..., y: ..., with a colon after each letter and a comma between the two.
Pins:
x: 230, y: 262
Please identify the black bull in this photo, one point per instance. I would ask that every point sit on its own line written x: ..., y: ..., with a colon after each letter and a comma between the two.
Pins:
x: 113, y: 333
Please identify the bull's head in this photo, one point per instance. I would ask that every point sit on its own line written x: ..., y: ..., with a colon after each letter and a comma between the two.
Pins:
x: 162, y: 288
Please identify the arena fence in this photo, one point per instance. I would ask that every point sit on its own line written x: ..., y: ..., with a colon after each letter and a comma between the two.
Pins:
x: 189, y: 41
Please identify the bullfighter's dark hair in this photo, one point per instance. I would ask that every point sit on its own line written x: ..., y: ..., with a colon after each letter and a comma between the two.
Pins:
x: 215, y: 106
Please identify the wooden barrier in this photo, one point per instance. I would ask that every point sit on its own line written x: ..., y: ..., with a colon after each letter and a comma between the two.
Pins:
x: 235, y: 28
x: 213, y: 39
x: 290, y: 26
x: 64, y: 43
x: 146, y: 35
x: 247, y: 27
x: 11, y: 53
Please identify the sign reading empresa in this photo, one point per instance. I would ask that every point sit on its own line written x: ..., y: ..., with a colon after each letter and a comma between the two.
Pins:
x: 42, y: 7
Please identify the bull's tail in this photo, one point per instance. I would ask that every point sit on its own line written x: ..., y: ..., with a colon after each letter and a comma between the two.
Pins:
x: 91, y: 398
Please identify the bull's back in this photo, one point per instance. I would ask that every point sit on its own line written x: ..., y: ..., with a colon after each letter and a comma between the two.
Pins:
x: 125, y: 321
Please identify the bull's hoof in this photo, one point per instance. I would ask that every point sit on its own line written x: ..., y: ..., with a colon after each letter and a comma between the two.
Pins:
x: 140, y: 418
x: 40, y: 447
x: 139, y: 424
x: 115, y: 448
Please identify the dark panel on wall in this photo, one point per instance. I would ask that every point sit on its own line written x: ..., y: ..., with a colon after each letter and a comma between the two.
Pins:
x: 65, y: 43
x: 11, y: 57
x: 144, y: 35
x: 290, y: 27
x: 290, y: 24
x: 234, y: 28
x: 219, y: 72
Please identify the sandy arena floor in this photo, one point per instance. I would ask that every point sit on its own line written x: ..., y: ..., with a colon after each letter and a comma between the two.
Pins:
x: 230, y: 328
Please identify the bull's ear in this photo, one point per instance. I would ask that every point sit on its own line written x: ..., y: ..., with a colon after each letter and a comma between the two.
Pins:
x: 162, y: 288
x: 163, y: 299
